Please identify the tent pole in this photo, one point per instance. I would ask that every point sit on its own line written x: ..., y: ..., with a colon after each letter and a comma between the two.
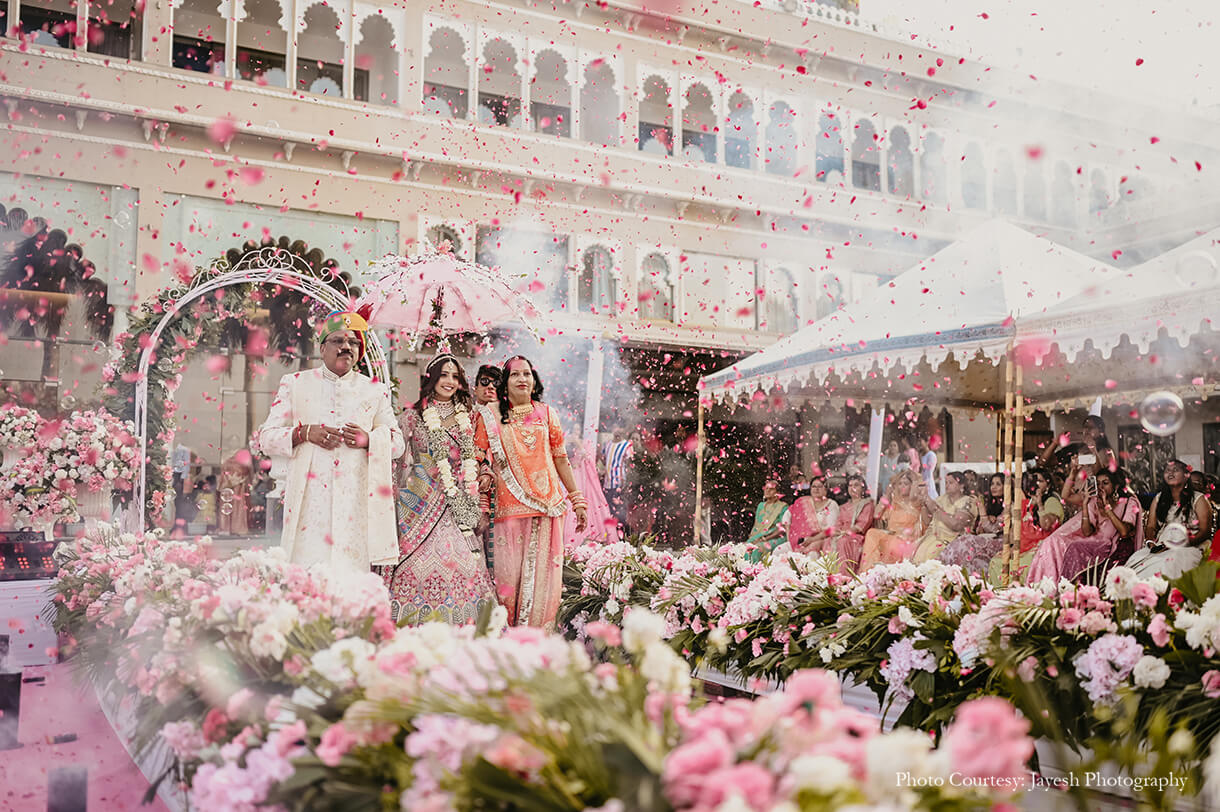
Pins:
x: 701, y: 441
x: 1006, y: 450
x: 1018, y: 497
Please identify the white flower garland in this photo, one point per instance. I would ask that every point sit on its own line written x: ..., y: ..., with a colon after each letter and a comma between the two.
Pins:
x: 462, y: 500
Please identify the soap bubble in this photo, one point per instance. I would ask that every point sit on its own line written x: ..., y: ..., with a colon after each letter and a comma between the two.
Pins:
x: 226, y: 508
x: 226, y: 494
x: 1162, y: 414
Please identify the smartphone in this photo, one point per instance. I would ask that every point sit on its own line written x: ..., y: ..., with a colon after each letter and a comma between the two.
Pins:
x: 1090, y: 486
x: 1086, y: 459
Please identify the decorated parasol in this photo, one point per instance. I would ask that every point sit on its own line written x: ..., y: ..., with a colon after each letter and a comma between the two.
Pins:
x: 440, y: 294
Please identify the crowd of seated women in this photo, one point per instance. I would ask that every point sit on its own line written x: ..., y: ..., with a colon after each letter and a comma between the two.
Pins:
x: 1077, y: 517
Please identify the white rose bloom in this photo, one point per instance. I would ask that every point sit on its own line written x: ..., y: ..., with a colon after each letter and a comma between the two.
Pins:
x: 337, y: 664
x: 665, y: 668
x: 498, y: 621
x: 307, y: 698
x: 1150, y: 672
x: 1181, y: 743
x: 902, y: 750
x: 612, y: 608
x: 1118, y: 583
x: 905, y: 616
x: 820, y: 773
x: 641, y: 628
x: 1211, y: 776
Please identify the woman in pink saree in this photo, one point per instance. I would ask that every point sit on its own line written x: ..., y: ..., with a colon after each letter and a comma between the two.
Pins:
x: 600, y: 525
x: 522, y: 446
x: 1109, y: 514
x: 855, y: 519
x: 812, y: 518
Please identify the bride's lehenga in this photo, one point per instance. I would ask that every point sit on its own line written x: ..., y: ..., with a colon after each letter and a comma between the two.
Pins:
x: 441, y: 574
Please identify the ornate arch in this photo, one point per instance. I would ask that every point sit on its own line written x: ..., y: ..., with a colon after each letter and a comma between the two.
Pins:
x: 142, y: 385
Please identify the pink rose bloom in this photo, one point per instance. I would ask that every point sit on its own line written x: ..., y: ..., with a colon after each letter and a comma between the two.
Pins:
x: 1069, y: 619
x: 514, y: 754
x: 1211, y: 684
x: 1095, y: 622
x: 1028, y: 669
x: 733, y: 717
x: 286, y: 738
x: 688, y: 765
x: 608, y: 633
x: 988, y: 739
x: 751, y: 781
x: 809, y: 688
x: 1158, y: 629
x: 335, y: 744
x: 528, y: 635
x: 1143, y: 594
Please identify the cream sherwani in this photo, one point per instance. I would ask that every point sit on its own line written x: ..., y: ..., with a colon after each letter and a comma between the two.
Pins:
x: 339, y: 503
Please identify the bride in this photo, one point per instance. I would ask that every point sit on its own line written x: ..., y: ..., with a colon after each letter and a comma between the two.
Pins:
x: 441, y: 572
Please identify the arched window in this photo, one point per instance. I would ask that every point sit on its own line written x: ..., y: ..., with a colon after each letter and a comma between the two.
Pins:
x: 901, y: 163
x: 597, y: 289
x: 1063, y: 197
x: 263, y: 44
x: 656, y: 118
x: 974, y: 178
x: 1004, y: 190
x: 438, y: 235
x: 830, y: 149
x: 656, y: 289
x: 499, y: 85
x: 1035, y: 192
x: 698, y: 125
x: 446, y: 75
x: 830, y: 296
x: 865, y: 157
x: 199, y: 36
x: 932, y: 170
x: 780, y: 305
x: 599, y: 105
x: 320, y: 52
x: 781, y: 139
x: 551, y: 95
x: 376, y: 73
x: 1099, y: 192
x: 741, y: 134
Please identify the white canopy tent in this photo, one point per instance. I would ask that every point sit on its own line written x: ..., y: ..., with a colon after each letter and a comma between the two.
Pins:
x: 1081, y: 327
x: 964, y: 302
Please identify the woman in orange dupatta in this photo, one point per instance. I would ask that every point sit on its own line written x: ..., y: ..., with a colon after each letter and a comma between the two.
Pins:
x: 522, y: 444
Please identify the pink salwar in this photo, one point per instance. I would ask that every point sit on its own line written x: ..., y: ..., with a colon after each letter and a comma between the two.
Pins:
x: 529, y: 569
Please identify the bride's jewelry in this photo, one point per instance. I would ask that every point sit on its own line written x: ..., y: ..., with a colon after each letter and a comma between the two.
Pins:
x: 445, y: 409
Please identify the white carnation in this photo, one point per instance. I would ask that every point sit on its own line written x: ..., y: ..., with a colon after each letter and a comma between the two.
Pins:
x: 642, y: 628
x: 1119, y: 582
x: 670, y: 673
x: 338, y: 663
x: 1150, y: 672
x: 825, y: 774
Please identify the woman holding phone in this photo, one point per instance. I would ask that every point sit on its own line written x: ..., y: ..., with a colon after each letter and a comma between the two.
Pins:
x: 1110, y: 513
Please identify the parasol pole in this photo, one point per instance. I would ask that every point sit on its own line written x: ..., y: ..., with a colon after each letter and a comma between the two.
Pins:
x: 1006, y: 450
x: 701, y: 441
x: 1018, y: 497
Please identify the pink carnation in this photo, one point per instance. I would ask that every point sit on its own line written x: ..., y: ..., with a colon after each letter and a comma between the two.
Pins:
x: 1211, y: 684
x: 688, y: 765
x: 988, y: 739
x: 335, y: 744
x: 1158, y: 629
x: 608, y: 633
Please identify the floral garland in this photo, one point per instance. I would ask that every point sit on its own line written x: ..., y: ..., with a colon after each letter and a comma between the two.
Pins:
x: 461, y: 500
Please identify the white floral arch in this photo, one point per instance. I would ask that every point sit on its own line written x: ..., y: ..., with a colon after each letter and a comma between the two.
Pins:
x: 268, y: 265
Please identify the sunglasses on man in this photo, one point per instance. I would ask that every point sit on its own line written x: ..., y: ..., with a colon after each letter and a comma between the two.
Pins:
x: 485, y: 382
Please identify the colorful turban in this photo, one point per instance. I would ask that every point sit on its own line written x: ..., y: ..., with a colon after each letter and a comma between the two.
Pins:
x: 344, y: 321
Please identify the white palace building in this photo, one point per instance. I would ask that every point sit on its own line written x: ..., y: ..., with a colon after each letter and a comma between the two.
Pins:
x: 687, y: 184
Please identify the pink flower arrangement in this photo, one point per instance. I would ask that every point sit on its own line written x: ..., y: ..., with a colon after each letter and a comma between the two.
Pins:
x: 1106, y: 664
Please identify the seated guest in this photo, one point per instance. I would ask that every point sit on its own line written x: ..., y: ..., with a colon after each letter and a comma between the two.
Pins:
x: 799, y: 480
x: 855, y: 519
x: 971, y: 486
x: 770, y: 521
x: 974, y: 551
x: 901, y: 514
x: 1109, y: 513
x: 951, y: 513
x: 811, y: 519
x: 1041, y: 514
x: 1178, y: 523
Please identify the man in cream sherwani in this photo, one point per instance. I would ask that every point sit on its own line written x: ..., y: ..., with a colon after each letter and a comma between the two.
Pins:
x: 337, y: 429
